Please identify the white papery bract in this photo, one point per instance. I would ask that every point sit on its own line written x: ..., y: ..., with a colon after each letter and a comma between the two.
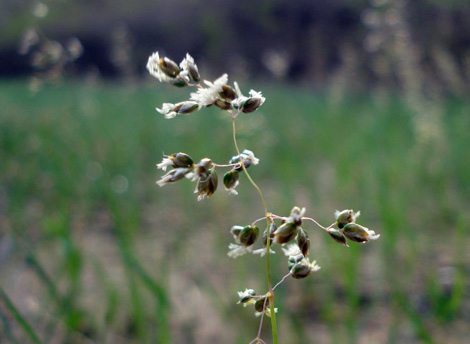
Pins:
x: 302, y: 268
x: 248, y: 104
x: 296, y: 215
x: 358, y: 233
x: 166, y: 162
x: 236, y: 250
x: 170, y: 110
x: 246, y: 297
x: 262, y: 251
x: 291, y: 250
x: 189, y: 69
x: 154, y: 68
x: 167, y: 110
x: 173, y: 176
x: 249, y: 155
x: 208, y: 95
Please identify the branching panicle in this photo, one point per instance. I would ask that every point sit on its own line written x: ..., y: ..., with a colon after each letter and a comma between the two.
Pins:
x: 286, y: 231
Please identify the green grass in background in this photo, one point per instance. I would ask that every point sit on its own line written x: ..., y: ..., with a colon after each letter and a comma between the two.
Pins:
x: 93, y: 251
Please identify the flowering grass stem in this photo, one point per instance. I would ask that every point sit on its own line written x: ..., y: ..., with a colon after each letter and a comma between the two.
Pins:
x: 268, y: 242
x: 271, y: 216
x: 223, y: 96
x: 319, y: 225
x: 282, y: 280
x: 258, y: 337
x: 258, y: 220
x: 225, y: 165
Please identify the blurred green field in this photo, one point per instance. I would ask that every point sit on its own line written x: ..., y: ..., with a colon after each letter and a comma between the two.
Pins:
x: 92, y: 251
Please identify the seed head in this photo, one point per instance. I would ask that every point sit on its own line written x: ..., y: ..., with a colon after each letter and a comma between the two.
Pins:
x: 337, y: 236
x: 223, y: 105
x: 249, y: 104
x: 153, y: 66
x: 296, y: 215
x: 346, y: 216
x: 290, y: 227
x: 227, y: 93
x: 245, y: 236
x: 262, y: 304
x: 246, y: 297
x: 203, y: 166
x: 295, y: 258
x: 303, y: 241
x: 358, y: 233
x: 231, y: 181
x: 303, y: 268
x: 175, y: 161
x: 171, y: 110
x: 236, y: 230
x: 181, y: 160
x: 247, y: 157
x: 189, y: 68
x: 173, y: 176
x: 206, y: 186
x: 179, y: 81
x: 186, y: 107
x: 285, y: 233
x: 169, y: 67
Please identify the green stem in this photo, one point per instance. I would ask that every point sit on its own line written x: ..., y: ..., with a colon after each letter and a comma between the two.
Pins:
x: 19, y: 318
x: 268, y: 243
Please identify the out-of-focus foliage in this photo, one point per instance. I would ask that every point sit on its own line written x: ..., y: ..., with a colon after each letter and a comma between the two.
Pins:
x: 92, y: 250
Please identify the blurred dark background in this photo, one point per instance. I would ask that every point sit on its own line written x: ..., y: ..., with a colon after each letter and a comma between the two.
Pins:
x: 302, y: 41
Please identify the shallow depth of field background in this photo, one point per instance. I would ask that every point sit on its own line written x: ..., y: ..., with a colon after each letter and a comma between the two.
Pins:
x: 367, y: 107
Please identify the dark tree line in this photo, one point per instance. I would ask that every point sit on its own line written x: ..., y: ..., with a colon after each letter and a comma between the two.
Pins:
x: 304, y: 40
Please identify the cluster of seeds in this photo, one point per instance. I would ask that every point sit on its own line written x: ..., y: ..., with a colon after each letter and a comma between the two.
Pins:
x: 204, y: 173
x: 288, y: 231
x: 217, y: 93
x: 348, y: 228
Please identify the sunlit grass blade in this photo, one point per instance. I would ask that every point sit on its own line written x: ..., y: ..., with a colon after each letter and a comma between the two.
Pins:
x: 43, y: 276
x: 7, y: 329
x: 415, y: 318
x: 27, y: 328
x: 159, y: 292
